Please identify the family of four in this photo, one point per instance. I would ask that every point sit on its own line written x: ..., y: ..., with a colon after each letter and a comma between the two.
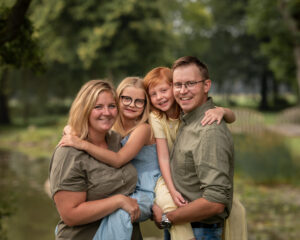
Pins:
x: 155, y: 148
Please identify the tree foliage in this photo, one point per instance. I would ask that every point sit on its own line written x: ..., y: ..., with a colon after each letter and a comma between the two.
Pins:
x: 216, y: 32
x: 269, y: 22
x: 18, y: 48
x: 106, y: 38
x: 245, y: 41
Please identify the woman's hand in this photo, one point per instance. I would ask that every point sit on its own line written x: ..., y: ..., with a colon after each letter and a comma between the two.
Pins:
x: 131, y: 206
x: 214, y: 114
x: 72, y: 141
x: 178, y: 199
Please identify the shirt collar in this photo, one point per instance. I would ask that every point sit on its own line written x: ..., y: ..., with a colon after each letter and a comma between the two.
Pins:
x: 186, y: 118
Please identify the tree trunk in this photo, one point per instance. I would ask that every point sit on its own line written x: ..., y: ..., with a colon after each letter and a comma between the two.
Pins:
x: 4, y: 109
x: 292, y: 24
x: 297, y: 60
x: 275, y: 92
x: 264, y: 91
x: 25, y: 97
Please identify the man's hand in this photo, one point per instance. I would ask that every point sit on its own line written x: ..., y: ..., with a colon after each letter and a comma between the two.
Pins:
x: 157, y: 213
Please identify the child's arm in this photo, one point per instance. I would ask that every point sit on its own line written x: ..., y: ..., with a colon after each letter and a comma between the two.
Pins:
x: 164, y: 164
x: 217, y: 114
x: 138, y: 138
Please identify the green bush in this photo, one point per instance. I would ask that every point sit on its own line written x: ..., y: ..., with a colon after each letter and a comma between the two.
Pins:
x: 265, y: 159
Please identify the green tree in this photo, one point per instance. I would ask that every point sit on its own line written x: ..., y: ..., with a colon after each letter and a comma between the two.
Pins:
x: 216, y: 31
x: 84, y: 39
x: 18, y: 48
x: 276, y: 25
x: 103, y: 39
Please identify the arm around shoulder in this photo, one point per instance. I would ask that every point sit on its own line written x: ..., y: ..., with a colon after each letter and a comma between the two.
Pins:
x: 229, y: 115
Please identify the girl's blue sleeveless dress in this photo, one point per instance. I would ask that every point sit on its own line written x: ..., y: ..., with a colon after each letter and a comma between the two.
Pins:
x: 117, y: 226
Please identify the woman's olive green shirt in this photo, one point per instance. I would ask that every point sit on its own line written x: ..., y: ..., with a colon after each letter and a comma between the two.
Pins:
x: 77, y: 171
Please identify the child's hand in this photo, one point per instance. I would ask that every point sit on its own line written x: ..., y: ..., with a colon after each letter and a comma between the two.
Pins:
x: 72, y: 141
x: 67, y: 130
x: 178, y: 199
x: 214, y: 114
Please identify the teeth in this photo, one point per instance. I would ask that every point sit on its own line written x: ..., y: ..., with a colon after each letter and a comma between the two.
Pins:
x: 162, y: 103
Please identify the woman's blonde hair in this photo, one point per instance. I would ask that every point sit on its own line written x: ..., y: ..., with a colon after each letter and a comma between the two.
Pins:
x: 154, y: 77
x: 84, y: 103
x: 136, y: 82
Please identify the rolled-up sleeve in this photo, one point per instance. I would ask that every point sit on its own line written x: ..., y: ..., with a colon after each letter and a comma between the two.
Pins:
x: 66, y: 172
x: 214, y: 167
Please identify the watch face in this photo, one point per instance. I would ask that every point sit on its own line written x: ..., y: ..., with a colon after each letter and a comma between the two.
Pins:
x: 166, y: 224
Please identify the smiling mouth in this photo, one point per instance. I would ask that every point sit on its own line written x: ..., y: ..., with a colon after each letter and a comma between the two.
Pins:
x: 105, y: 119
x: 162, y: 103
x: 185, y: 98
x: 129, y: 110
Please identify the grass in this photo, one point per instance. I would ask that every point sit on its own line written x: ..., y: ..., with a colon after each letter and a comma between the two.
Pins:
x: 293, y: 144
x: 270, y: 117
x: 35, y: 140
x: 272, y: 211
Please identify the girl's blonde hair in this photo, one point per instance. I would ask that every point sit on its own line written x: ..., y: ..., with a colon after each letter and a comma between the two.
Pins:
x: 137, y: 83
x: 155, y: 77
x: 84, y: 103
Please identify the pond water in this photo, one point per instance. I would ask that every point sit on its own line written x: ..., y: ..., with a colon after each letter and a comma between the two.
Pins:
x: 33, y: 214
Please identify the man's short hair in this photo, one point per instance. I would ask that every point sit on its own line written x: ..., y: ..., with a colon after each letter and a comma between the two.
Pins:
x: 189, y: 60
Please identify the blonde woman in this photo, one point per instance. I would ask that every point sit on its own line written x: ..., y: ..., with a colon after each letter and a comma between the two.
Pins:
x: 138, y: 147
x: 84, y: 189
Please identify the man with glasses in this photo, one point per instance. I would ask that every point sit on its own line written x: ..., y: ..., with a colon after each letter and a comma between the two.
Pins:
x: 202, y: 156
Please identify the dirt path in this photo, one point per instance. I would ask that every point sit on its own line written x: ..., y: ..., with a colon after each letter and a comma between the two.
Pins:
x: 290, y: 130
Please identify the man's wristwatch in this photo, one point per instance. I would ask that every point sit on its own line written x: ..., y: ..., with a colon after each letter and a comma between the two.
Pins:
x: 165, y: 222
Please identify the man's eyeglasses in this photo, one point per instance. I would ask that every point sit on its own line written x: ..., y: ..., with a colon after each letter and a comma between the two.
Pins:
x: 189, y: 84
x: 139, y: 103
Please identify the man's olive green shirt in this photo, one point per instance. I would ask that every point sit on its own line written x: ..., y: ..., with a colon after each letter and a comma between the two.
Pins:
x: 202, y: 161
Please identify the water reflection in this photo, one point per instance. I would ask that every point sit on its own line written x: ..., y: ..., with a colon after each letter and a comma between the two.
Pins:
x: 34, y: 215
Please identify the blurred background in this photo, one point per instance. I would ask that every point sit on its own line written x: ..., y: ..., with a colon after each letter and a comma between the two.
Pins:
x: 49, y: 48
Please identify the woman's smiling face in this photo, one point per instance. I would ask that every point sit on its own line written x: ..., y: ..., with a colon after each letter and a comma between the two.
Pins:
x: 104, y: 113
